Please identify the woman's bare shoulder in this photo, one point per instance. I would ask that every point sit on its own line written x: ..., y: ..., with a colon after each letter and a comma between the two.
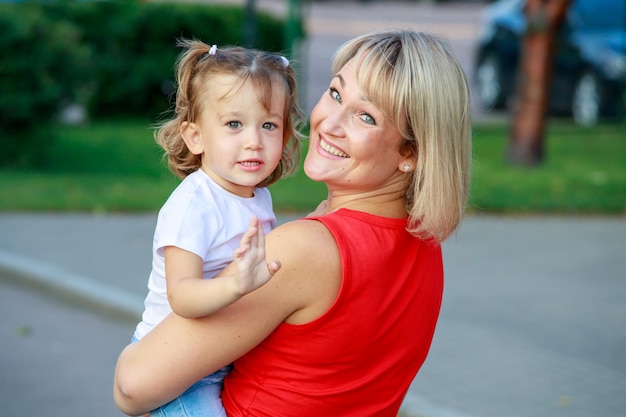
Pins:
x: 301, y: 232
x: 311, y: 266
x: 305, y: 243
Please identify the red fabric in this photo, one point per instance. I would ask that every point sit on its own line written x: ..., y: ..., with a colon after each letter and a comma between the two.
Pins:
x: 360, y: 357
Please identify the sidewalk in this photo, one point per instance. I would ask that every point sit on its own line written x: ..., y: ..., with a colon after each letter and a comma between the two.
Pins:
x: 532, y: 322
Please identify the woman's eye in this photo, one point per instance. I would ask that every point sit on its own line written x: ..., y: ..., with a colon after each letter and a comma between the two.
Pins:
x: 234, y: 124
x: 335, y: 95
x: 367, y: 119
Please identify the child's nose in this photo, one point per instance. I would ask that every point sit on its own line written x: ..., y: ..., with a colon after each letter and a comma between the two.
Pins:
x: 253, y: 140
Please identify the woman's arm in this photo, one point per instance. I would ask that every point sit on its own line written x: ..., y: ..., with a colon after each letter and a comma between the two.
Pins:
x: 179, y: 352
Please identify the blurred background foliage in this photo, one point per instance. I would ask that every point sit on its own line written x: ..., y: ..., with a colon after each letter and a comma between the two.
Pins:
x: 113, y: 60
x: 103, y: 58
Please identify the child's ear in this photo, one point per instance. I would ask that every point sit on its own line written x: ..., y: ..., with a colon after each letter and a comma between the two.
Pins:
x: 191, y: 135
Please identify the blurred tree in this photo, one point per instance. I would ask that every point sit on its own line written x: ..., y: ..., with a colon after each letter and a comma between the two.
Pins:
x: 249, y: 32
x: 544, y: 18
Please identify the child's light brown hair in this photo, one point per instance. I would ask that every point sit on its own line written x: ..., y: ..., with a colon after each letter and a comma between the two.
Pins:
x: 195, y: 67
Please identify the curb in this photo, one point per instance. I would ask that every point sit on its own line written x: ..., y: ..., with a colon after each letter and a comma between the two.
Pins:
x: 76, y: 289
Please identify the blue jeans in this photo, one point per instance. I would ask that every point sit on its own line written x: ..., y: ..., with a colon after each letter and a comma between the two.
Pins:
x: 202, y: 399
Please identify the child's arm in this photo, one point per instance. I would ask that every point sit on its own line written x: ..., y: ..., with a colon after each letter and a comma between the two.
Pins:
x: 190, y: 296
x: 252, y: 270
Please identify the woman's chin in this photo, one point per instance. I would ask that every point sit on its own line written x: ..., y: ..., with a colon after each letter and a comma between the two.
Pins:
x: 314, y: 172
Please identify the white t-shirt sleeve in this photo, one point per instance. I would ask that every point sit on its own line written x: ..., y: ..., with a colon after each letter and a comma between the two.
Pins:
x: 187, y: 223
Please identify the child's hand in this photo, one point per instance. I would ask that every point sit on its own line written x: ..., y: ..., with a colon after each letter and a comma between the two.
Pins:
x: 253, y: 270
x: 320, y: 210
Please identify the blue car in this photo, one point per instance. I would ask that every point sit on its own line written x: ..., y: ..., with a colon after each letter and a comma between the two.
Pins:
x: 589, y: 69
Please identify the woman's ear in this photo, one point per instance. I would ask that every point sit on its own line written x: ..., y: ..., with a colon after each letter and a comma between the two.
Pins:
x: 408, y: 156
x: 191, y: 135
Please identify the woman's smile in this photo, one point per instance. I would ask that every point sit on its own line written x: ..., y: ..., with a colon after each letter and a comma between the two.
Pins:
x: 332, y: 150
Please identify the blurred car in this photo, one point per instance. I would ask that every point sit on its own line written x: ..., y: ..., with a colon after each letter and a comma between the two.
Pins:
x: 589, y: 69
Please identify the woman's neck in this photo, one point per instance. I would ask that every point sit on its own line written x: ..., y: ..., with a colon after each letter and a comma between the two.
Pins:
x: 391, y: 205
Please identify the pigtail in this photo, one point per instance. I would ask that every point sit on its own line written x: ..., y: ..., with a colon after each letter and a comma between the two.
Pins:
x: 168, y: 135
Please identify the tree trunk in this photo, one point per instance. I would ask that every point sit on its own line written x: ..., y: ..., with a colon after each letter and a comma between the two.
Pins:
x: 544, y: 18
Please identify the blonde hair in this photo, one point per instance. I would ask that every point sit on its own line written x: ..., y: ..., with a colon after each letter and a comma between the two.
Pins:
x: 194, y: 69
x: 417, y: 82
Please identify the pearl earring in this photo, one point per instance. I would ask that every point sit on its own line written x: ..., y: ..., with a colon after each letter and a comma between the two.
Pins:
x: 406, y: 168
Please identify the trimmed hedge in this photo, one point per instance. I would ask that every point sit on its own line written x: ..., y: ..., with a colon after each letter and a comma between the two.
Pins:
x: 114, y: 58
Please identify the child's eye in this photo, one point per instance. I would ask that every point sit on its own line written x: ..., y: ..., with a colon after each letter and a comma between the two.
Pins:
x: 335, y: 95
x: 234, y: 124
x: 269, y: 126
x: 367, y: 119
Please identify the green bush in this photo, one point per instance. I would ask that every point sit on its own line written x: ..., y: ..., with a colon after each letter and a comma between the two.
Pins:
x: 134, y: 46
x: 135, y: 60
x: 39, y: 58
x: 114, y: 58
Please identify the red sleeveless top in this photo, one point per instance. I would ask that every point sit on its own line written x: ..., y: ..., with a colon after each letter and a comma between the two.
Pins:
x: 360, y: 357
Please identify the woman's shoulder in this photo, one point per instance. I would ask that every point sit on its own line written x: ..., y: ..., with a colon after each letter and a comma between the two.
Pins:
x: 310, y: 275
x: 304, y: 234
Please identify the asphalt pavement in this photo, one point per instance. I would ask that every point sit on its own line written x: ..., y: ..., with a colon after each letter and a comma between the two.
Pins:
x: 533, y: 321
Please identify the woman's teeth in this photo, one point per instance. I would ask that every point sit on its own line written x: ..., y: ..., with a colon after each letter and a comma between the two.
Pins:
x: 332, y: 150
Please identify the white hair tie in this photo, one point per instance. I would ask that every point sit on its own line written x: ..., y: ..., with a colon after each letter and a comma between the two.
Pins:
x: 285, y: 61
x: 213, y: 50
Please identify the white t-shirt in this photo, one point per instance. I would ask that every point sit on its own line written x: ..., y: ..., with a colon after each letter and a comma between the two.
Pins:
x: 205, y: 219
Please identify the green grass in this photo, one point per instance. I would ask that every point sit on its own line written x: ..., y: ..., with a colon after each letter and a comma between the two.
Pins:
x: 104, y: 166
x: 584, y: 171
x: 115, y: 166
